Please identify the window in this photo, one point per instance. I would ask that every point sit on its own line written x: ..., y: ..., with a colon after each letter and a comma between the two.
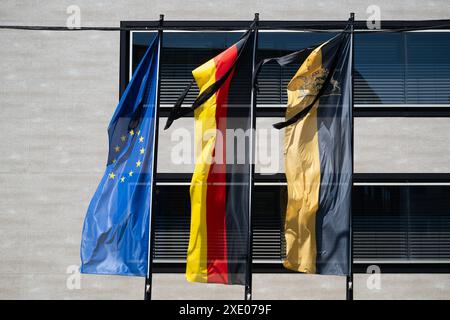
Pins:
x: 172, y: 223
x: 182, y: 52
x: 405, y: 221
x: 410, y: 68
x: 402, y: 68
x: 391, y: 223
x: 401, y: 223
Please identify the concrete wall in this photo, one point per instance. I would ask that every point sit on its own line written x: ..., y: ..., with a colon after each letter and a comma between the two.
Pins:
x: 415, y: 145
x: 57, y: 93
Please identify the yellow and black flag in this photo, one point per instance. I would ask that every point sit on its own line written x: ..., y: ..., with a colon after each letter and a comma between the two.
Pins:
x: 219, y: 192
x: 318, y: 157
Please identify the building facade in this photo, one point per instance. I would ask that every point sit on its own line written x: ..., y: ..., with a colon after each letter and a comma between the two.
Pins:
x: 59, y: 92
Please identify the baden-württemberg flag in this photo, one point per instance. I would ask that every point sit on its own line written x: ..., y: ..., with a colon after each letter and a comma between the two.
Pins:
x: 115, y: 234
x: 318, y: 161
x: 218, y: 243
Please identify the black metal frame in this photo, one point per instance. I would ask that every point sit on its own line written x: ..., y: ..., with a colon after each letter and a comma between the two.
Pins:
x: 358, y: 267
x: 324, y: 25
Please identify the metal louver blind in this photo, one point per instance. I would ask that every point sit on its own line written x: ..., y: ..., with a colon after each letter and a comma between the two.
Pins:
x: 428, y: 67
x: 428, y: 84
x: 379, y: 69
x: 402, y: 223
x: 425, y: 237
x: 171, y: 238
x: 390, y: 68
x: 268, y: 216
x: 273, y: 81
x: 429, y: 237
x: 380, y: 238
x: 174, y: 78
x: 386, y: 227
x: 172, y: 221
x: 176, y: 73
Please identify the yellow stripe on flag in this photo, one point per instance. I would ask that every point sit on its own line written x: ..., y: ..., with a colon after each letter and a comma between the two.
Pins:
x: 205, y: 138
x: 302, y: 165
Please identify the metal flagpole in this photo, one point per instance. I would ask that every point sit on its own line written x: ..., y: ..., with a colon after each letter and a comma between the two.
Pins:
x: 248, y: 276
x: 148, y: 278
x: 349, y: 282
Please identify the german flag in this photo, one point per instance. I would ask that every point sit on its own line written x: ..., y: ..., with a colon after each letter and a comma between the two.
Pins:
x: 218, y: 244
x: 318, y: 161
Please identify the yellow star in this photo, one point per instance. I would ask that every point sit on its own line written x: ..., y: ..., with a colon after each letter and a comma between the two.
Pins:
x: 139, y: 132
x: 112, y: 175
x: 117, y: 148
x: 141, y: 139
x: 123, y: 138
x: 131, y: 132
x: 114, y: 161
x: 130, y: 173
x: 138, y: 164
x: 142, y: 150
x: 122, y: 179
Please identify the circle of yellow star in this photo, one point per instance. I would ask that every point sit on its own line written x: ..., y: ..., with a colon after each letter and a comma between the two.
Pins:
x: 112, y: 175
x: 141, y: 139
x: 123, y: 138
x: 114, y: 161
x: 130, y: 173
x: 122, y: 179
x: 131, y: 132
x: 138, y: 164
x: 142, y: 150
x: 139, y: 132
x: 117, y: 148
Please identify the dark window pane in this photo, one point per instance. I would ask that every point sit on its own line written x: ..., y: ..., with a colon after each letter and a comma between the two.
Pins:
x: 429, y: 223
x: 140, y: 43
x: 390, y: 68
x: 428, y: 67
x: 172, y: 219
x: 390, y: 223
x: 379, y: 68
x: 171, y: 224
x: 182, y: 53
x: 402, y: 222
x: 379, y: 223
x: 273, y: 79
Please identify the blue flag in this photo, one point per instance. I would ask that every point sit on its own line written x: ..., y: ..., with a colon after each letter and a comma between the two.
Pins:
x: 115, y: 234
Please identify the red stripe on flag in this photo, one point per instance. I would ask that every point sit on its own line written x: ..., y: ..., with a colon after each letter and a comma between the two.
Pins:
x: 216, y: 191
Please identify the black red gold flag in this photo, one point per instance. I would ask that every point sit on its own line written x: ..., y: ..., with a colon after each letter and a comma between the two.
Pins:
x: 219, y: 191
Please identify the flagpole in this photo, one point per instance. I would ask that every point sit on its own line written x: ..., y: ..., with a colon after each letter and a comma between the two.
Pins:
x: 248, y: 276
x: 149, y: 277
x: 349, y: 282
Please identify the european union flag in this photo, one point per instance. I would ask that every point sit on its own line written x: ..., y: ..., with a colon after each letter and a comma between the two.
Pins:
x: 115, y: 234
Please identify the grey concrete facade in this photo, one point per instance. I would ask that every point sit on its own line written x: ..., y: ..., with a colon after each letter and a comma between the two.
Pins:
x: 58, y: 91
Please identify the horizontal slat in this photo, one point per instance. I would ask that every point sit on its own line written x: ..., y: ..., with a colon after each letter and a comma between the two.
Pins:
x: 377, y: 236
